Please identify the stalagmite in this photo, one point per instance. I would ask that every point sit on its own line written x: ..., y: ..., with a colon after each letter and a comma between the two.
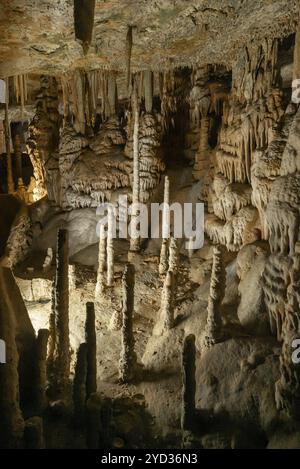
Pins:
x: 61, y: 308
x: 135, y: 239
x: 167, y: 302
x: 52, y: 330
x: 80, y: 384
x: 110, y: 249
x: 148, y: 82
x: 163, y: 263
x: 163, y: 260
x: 91, y: 343
x: 41, y: 370
x: 10, y: 181
x: 188, y: 367
x: 213, y: 330
x: 100, y: 284
x: 128, y: 357
x: 173, y: 255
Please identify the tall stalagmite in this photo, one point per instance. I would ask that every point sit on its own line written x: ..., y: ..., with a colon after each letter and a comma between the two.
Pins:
x: 100, y: 284
x: 213, y: 328
x: 41, y: 370
x: 128, y: 357
x: 188, y: 367
x: 167, y: 301
x: 91, y: 342
x: 61, y: 310
x: 80, y: 384
x: 135, y: 239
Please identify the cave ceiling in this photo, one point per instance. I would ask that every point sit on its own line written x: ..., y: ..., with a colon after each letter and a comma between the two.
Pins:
x: 37, y: 36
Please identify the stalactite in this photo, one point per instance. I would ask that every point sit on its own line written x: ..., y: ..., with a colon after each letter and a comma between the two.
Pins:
x: 213, y: 330
x: 100, y: 284
x: 62, y: 341
x: 79, y: 384
x: 41, y: 371
x: 10, y: 181
x: 168, y: 302
x: 148, y: 83
x: 91, y: 342
x: 135, y: 239
x: 128, y: 52
x: 110, y: 250
x: 188, y: 367
x: 112, y: 94
x: 128, y: 357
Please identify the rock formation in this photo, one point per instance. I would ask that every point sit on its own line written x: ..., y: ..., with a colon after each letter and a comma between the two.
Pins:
x: 213, y: 330
x: 128, y: 357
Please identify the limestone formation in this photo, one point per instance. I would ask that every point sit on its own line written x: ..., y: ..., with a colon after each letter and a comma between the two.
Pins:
x: 40, y: 384
x: 100, y: 284
x: 134, y: 236
x: 213, y: 330
x: 128, y: 357
x: 110, y: 249
x: 173, y: 255
x: 97, y: 100
x: 61, y: 355
x: 80, y: 384
x: 168, y: 301
x: 91, y: 350
x: 188, y: 365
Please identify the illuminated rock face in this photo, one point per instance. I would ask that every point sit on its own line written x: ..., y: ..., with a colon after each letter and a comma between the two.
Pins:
x: 144, y: 342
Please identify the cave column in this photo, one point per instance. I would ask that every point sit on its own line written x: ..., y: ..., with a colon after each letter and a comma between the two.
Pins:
x: 41, y: 370
x: 167, y: 301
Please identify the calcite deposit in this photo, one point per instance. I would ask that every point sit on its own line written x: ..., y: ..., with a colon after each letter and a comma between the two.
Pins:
x: 121, y: 123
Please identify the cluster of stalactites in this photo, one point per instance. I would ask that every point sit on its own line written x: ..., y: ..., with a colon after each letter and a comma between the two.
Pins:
x: 86, y: 94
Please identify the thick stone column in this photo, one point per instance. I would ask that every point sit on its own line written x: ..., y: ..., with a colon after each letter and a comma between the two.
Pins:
x: 10, y: 180
x: 148, y: 84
